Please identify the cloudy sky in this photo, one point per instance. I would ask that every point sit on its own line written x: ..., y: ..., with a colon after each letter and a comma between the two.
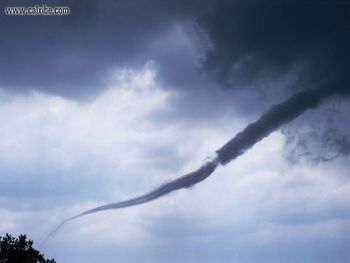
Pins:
x: 119, y: 97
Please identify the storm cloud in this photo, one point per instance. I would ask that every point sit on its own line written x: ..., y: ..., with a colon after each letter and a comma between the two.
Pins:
x: 120, y: 96
x: 71, y: 56
x: 253, y: 38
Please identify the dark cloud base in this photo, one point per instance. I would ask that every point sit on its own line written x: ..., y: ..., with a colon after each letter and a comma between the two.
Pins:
x: 71, y: 56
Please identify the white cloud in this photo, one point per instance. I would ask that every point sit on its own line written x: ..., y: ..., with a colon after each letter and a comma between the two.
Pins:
x: 326, y: 230
x: 60, y: 157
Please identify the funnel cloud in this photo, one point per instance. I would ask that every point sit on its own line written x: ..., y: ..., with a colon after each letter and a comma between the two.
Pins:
x: 253, y: 133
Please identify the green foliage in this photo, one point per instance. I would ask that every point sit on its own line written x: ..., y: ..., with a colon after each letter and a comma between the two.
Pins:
x: 20, y: 250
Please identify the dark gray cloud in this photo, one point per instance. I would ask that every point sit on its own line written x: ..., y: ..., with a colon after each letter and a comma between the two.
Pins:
x: 72, y: 55
x: 253, y: 38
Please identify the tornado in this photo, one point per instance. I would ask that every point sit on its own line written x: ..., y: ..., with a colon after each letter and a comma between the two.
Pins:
x: 270, y: 121
x: 184, y: 181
